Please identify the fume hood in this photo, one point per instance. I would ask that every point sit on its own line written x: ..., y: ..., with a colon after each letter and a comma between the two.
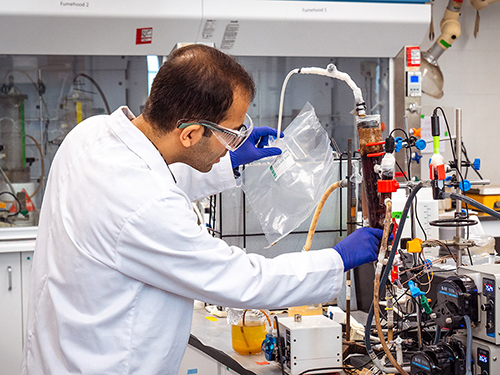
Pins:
x: 239, y: 27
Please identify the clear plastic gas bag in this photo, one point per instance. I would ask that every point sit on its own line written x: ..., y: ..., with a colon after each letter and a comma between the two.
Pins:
x: 284, y: 191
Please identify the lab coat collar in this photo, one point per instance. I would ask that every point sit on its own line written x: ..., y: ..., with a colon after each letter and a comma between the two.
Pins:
x: 136, y: 141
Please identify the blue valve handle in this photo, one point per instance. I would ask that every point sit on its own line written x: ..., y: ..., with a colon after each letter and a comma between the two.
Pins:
x: 416, y: 157
x: 421, y: 144
x: 269, y: 346
x: 464, y: 185
x: 414, y: 290
x: 476, y: 164
x: 398, y: 144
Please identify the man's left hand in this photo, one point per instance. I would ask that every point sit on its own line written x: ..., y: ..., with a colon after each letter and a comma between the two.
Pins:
x: 253, y: 148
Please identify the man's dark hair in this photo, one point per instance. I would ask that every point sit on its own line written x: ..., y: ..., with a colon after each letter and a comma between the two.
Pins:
x: 196, y: 82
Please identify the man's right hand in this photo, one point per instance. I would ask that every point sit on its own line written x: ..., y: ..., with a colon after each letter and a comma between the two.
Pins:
x: 359, y: 247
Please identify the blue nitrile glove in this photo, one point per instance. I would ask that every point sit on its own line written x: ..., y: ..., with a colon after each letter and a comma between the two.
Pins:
x: 253, y: 148
x: 360, y: 247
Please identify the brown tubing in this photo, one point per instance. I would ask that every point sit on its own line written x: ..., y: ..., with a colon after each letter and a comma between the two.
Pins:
x: 376, y: 308
x: 315, y: 219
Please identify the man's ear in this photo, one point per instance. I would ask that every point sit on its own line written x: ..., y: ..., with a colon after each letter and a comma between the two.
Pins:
x: 191, y: 135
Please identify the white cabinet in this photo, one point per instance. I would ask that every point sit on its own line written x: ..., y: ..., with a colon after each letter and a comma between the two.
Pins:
x: 199, y: 363
x: 227, y: 371
x: 16, y: 255
x: 11, y: 332
x: 26, y: 263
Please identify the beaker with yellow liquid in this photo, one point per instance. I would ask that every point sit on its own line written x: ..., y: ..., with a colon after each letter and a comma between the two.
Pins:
x: 248, y: 339
x: 248, y: 330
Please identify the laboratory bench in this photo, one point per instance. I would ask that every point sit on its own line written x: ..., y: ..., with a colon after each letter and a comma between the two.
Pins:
x: 210, y: 349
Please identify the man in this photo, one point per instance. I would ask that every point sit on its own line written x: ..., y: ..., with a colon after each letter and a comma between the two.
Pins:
x: 119, y: 256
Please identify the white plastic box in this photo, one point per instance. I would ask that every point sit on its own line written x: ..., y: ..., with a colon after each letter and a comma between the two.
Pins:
x: 314, y: 342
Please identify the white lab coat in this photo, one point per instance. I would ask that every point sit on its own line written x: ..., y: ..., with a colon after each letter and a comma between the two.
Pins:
x: 119, y: 259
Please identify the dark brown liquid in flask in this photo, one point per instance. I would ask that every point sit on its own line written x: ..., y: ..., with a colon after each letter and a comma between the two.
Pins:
x: 369, y: 131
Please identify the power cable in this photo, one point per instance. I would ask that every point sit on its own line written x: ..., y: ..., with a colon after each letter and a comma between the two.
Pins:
x: 387, y: 269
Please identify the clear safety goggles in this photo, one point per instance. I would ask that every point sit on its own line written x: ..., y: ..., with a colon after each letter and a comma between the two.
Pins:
x: 231, y: 139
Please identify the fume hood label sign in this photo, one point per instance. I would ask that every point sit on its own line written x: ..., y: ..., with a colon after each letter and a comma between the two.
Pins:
x: 74, y: 4
x: 314, y: 10
x: 208, y: 30
x: 230, y: 35
x: 281, y: 164
x: 144, y: 36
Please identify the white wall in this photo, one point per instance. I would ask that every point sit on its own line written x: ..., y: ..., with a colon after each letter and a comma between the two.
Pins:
x: 471, y: 69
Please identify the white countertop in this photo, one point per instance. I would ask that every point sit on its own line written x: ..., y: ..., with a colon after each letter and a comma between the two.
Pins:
x: 17, y: 239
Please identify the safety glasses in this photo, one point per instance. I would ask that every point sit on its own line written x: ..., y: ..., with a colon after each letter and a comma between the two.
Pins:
x: 231, y: 139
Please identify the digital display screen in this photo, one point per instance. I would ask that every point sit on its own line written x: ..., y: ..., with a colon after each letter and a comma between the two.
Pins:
x: 482, y: 358
x: 414, y: 79
x: 488, y: 287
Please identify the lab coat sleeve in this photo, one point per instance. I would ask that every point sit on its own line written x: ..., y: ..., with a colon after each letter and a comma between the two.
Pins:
x: 173, y: 253
x: 199, y: 185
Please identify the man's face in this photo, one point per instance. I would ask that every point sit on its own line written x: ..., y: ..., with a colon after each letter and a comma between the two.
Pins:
x: 208, y: 150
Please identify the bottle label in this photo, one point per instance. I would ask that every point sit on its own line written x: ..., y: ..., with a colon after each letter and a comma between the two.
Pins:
x: 282, y: 163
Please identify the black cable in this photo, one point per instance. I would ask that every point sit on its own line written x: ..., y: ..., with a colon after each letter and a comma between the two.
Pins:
x: 397, y: 304
x: 340, y: 191
x: 458, y: 167
x: 408, y: 161
x: 323, y: 369
x: 467, y: 217
x: 470, y: 257
x: 388, y: 267
x: 418, y: 220
x: 438, y: 334
x: 17, y: 201
x: 402, y: 172
x: 464, y: 151
x: 233, y: 235
x: 280, y: 348
x: 213, y: 231
x: 424, y: 325
x: 243, y: 196
x: 476, y: 204
x: 401, y: 130
x: 449, y: 132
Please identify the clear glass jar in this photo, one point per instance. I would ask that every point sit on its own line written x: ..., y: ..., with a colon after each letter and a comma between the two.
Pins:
x: 371, y: 146
x: 248, y: 330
